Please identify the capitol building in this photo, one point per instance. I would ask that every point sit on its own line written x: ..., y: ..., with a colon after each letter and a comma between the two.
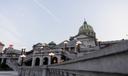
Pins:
x: 80, y: 55
x: 79, y: 45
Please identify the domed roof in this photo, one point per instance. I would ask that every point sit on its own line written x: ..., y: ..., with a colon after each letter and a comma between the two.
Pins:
x: 52, y: 43
x: 39, y: 44
x: 86, y: 29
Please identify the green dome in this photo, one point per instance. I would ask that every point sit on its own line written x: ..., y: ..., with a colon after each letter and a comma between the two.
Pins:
x: 86, y: 29
x: 52, y: 44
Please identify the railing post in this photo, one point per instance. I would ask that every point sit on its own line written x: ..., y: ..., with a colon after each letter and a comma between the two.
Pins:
x: 41, y: 61
x: 49, y: 60
x: 65, y: 74
x: 72, y: 74
x: 62, y: 73
x: 45, y: 70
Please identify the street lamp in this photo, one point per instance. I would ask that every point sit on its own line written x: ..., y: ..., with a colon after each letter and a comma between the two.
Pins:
x: 51, y: 55
x: 65, y: 45
x: 78, y: 43
x: 22, y: 56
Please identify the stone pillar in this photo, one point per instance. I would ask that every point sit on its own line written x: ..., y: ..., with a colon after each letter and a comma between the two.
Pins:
x: 33, y: 61
x: 65, y: 73
x: 41, y: 61
x: 59, y: 59
x: 49, y: 60
x: 44, y: 71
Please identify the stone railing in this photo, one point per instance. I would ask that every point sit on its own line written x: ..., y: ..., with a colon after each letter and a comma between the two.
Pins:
x: 66, y: 72
x: 9, y: 56
x: 63, y: 72
x: 32, y: 71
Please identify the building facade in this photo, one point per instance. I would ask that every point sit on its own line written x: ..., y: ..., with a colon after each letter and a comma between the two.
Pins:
x: 51, y: 53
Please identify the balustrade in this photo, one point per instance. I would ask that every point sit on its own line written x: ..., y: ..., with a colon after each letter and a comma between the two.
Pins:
x: 60, y: 72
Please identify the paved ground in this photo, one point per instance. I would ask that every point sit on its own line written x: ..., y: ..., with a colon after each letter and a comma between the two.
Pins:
x: 8, y: 73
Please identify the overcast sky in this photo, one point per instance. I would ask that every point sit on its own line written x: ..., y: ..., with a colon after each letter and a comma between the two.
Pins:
x: 27, y: 22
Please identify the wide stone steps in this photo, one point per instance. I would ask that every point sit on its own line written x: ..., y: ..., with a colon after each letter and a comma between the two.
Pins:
x: 12, y: 64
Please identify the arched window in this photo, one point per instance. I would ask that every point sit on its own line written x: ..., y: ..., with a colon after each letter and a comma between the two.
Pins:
x: 45, y: 61
x: 54, y: 60
x: 37, y: 63
x: 28, y: 63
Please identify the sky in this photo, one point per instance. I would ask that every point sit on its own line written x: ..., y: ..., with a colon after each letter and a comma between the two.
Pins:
x: 24, y: 23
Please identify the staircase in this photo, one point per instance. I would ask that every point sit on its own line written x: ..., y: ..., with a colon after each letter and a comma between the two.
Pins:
x: 12, y: 64
x: 69, y: 55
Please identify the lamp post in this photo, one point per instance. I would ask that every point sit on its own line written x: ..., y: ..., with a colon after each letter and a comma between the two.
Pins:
x: 51, y: 54
x: 22, y: 56
x: 78, y: 43
x: 65, y: 45
x: 64, y: 49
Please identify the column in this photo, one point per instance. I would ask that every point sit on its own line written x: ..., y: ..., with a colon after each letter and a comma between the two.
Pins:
x: 33, y: 61
x: 49, y: 60
x: 41, y: 61
x: 44, y: 71
x: 59, y: 59
x: 65, y: 73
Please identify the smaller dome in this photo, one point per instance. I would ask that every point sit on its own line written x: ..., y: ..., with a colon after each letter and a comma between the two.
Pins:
x: 52, y: 44
x: 39, y: 45
x: 86, y: 29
